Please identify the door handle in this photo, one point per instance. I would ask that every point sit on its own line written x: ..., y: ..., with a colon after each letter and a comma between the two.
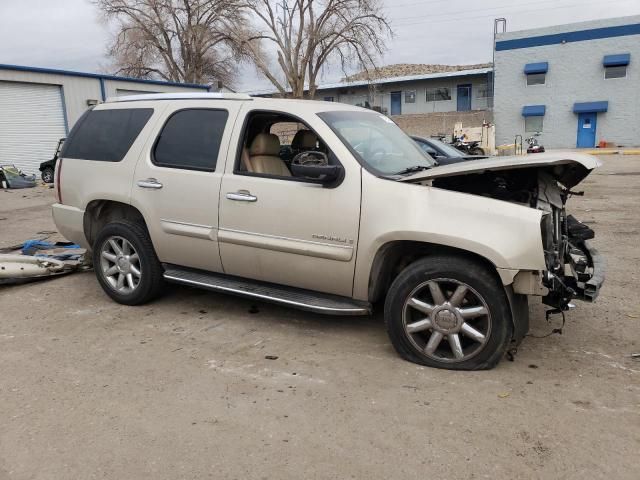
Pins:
x: 149, y: 183
x: 242, y: 196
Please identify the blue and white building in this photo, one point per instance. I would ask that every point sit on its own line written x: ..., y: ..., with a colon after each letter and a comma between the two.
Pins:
x: 576, y: 84
x: 38, y: 106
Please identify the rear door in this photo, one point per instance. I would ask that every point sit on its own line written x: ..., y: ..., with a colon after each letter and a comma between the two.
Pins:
x: 177, y: 181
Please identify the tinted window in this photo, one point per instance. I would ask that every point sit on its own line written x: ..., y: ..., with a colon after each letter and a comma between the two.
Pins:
x: 106, y: 135
x: 191, y: 139
x: 533, y: 124
x: 536, y: 78
x: 619, y: 71
x: 438, y: 94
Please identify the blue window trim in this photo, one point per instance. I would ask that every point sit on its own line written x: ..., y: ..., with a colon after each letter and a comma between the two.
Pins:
x: 620, y: 60
x: 534, y: 110
x: 54, y: 71
x: 568, y: 37
x: 541, y: 67
x: 591, y: 107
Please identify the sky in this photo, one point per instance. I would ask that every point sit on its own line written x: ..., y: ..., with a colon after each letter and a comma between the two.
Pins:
x: 70, y: 34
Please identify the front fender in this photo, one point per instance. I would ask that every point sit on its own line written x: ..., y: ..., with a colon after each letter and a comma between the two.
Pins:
x: 505, y: 234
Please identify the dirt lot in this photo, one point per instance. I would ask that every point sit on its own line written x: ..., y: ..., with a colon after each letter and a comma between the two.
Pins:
x: 181, y: 388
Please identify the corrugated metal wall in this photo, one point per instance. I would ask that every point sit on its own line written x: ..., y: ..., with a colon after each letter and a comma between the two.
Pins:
x: 32, y: 120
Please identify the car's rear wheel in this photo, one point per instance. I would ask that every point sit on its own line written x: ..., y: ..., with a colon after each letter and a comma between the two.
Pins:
x: 448, y: 312
x: 47, y: 175
x: 126, y: 264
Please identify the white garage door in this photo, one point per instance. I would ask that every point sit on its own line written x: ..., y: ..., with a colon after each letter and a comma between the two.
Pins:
x: 31, y: 123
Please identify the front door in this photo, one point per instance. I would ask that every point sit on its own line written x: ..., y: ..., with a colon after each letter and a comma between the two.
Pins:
x: 396, y: 103
x: 587, y: 129
x: 177, y: 182
x: 464, y: 98
x: 281, y: 229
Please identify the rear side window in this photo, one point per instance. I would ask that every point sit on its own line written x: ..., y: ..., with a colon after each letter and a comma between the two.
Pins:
x: 191, y: 140
x: 106, y: 135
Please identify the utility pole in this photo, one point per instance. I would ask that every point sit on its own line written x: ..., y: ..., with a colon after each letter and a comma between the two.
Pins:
x: 497, y: 24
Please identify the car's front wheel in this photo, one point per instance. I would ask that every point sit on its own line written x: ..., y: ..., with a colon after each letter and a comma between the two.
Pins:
x: 448, y: 312
x: 126, y: 264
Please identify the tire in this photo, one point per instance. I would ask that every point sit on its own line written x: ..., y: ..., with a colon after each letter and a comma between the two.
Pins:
x: 147, y: 283
x: 47, y: 175
x: 413, y: 303
x: 477, y: 151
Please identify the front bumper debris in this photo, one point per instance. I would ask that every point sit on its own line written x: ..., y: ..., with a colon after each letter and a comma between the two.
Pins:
x: 591, y: 288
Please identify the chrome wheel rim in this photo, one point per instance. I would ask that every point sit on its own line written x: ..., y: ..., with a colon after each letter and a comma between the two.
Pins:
x: 120, y: 264
x: 446, y: 320
x: 47, y: 176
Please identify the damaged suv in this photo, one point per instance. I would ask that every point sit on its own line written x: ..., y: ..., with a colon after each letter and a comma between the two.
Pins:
x: 199, y: 189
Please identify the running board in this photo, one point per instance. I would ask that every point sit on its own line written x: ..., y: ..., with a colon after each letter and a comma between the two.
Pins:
x: 268, y: 292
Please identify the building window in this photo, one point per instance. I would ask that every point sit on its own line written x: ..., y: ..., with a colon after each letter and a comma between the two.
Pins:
x: 328, y: 99
x: 536, y: 79
x: 618, y: 71
x: 410, y: 96
x: 533, y: 124
x: 438, y: 94
x: 482, y: 91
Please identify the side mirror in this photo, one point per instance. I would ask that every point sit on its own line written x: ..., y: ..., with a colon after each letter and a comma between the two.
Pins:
x: 315, y: 166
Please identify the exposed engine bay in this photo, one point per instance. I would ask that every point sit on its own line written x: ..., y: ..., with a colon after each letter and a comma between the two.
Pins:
x: 573, y: 267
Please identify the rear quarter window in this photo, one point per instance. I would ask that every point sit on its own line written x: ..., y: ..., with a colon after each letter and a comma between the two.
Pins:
x: 106, y: 135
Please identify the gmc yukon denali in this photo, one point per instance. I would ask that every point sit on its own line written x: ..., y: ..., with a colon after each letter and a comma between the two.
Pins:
x: 195, y: 189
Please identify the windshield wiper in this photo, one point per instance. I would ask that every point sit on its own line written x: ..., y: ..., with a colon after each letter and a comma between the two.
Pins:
x: 414, y: 169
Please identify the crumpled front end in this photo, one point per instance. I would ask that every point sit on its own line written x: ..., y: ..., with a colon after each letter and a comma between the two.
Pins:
x: 575, y: 269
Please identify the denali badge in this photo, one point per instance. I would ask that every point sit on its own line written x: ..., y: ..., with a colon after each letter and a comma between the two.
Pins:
x: 331, y: 238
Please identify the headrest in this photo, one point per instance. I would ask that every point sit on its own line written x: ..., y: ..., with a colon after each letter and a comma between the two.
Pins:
x: 265, y: 144
x: 304, y: 139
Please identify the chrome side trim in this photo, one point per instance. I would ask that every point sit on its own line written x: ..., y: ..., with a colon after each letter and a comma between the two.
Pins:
x: 269, y: 298
x: 205, y: 232
x: 343, y: 253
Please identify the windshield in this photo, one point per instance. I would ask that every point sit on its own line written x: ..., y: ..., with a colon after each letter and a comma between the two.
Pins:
x: 378, y: 142
x: 448, y: 150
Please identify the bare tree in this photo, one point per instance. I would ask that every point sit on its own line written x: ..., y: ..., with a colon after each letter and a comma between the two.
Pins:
x: 175, y: 40
x: 308, y: 34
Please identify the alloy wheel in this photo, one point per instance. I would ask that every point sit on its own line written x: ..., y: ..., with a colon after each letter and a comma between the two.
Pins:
x: 120, y: 264
x: 447, y: 320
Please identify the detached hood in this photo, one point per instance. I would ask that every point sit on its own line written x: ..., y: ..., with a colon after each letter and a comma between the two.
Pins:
x: 569, y: 168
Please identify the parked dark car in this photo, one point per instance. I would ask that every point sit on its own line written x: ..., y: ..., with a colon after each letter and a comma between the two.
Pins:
x: 48, y: 167
x: 443, y: 153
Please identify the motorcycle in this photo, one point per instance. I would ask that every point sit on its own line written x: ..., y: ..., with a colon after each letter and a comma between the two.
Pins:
x: 534, y: 146
x: 470, y: 148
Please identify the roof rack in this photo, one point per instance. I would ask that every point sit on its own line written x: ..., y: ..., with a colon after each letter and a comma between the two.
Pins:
x: 180, y: 96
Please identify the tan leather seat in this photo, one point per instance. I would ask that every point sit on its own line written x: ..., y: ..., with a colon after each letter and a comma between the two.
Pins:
x: 246, y: 161
x: 264, y: 156
x: 304, y: 140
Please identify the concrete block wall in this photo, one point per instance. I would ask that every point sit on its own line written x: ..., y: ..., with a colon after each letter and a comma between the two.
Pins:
x: 576, y: 74
x: 427, y: 124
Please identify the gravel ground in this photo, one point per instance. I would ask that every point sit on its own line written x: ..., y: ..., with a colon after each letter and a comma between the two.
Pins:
x: 181, y: 389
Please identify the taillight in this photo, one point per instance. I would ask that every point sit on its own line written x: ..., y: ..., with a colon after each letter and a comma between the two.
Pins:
x: 57, y: 174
